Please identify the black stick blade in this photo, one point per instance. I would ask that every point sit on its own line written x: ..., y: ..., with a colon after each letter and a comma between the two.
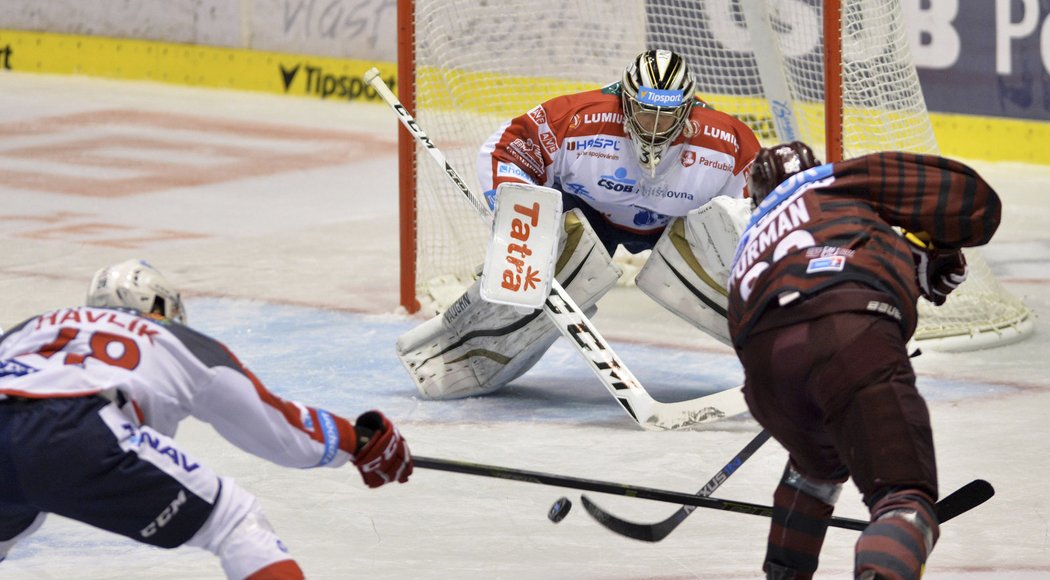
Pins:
x: 964, y: 499
x: 623, y: 527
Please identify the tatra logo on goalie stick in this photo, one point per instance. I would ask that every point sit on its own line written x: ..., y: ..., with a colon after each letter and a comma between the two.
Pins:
x: 572, y: 323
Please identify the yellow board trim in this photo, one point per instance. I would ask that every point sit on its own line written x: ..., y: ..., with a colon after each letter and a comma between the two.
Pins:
x: 186, y: 64
x: 966, y: 136
x: 992, y: 138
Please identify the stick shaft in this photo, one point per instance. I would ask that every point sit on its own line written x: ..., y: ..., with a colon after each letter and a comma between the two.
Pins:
x: 958, y: 502
x: 660, y: 530
x: 612, y: 488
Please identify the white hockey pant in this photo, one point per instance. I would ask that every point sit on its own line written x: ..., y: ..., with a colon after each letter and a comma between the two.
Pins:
x: 239, y: 534
x: 476, y: 347
x: 688, y: 270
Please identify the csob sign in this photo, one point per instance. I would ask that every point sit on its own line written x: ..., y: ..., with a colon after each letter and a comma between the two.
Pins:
x: 978, y: 57
x: 968, y: 66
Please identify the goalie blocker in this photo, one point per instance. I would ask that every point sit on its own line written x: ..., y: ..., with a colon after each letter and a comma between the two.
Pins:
x: 475, y: 347
x: 521, y: 254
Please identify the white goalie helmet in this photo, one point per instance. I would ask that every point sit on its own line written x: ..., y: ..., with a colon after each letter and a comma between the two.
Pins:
x: 137, y: 285
x: 657, y: 96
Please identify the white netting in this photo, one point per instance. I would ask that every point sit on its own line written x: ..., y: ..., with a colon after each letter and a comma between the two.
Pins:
x: 481, y: 62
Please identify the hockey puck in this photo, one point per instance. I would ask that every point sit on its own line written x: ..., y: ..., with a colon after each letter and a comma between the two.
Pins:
x: 559, y: 510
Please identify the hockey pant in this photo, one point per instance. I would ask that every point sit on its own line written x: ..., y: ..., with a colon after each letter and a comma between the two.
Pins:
x: 476, y: 347
x: 838, y: 392
x: 82, y: 458
x: 688, y: 270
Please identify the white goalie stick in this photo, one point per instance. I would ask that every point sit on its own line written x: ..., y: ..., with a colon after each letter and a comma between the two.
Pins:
x: 570, y: 320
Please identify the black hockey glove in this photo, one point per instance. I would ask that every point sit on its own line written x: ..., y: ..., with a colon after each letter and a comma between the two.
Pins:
x: 939, y: 272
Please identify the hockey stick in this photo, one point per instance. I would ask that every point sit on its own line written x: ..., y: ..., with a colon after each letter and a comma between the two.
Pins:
x: 660, y: 530
x: 570, y: 320
x: 962, y: 500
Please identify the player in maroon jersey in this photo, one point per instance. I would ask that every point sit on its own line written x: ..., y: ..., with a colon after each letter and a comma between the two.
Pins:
x: 822, y: 302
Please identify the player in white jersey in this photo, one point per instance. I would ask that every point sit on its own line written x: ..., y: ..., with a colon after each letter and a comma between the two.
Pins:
x: 640, y: 163
x: 90, y: 398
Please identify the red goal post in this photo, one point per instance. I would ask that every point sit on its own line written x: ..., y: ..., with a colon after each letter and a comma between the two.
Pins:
x: 465, y: 66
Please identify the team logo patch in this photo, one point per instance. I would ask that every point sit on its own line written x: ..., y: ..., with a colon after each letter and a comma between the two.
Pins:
x: 592, y: 143
x: 538, y: 116
x: 618, y: 181
x: 688, y: 158
x: 504, y: 169
x: 549, y: 141
x: 528, y: 152
x: 647, y: 218
x: 828, y: 264
x: 578, y: 189
x: 14, y: 368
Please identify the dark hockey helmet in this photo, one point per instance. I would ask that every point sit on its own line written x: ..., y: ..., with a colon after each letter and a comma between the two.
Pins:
x: 774, y: 164
x: 657, y: 95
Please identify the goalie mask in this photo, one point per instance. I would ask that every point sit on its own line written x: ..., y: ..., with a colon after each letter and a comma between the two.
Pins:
x: 657, y: 95
x: 774, y: 164
x: 136, y: 285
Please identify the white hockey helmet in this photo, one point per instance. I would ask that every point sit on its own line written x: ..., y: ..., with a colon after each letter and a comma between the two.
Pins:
x: 657, y: 96
x: 137, y: 285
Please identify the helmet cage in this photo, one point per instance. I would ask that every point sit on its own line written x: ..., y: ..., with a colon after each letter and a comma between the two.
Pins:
x: 657, y: 85
x: 647, y: 132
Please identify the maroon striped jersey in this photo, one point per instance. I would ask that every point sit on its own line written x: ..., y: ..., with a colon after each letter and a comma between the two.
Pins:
x: 834, y: 223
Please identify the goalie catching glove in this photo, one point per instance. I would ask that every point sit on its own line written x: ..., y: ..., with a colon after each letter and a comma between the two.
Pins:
x: 381, y: 454
x: 939, y: 272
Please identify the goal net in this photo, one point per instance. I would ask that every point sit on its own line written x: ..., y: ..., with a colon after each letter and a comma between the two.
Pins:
x: 465, y: 66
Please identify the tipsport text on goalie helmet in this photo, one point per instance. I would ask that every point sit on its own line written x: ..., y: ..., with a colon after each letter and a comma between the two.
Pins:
x: 137, y: 285
x: 657, y: 96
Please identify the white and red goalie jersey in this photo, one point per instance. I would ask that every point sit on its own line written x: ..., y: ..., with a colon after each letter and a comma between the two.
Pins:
x: 163, y: 372
x: 577, y: 143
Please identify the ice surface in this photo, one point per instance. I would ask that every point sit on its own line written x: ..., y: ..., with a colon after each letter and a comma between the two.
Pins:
x: 289, y: 256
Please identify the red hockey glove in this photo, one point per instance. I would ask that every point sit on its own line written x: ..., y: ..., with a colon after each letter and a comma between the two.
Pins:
x: 382, y: 455
x: 939, y: 271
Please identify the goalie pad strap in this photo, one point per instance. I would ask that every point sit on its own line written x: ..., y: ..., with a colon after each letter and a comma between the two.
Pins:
x: 476, y: 347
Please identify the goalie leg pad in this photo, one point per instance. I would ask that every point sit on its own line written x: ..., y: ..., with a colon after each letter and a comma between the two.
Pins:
x: 476, y: 347
x: 688, y: 270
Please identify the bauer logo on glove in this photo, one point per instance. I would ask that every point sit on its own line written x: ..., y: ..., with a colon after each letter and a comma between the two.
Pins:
x: 938, y: 272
